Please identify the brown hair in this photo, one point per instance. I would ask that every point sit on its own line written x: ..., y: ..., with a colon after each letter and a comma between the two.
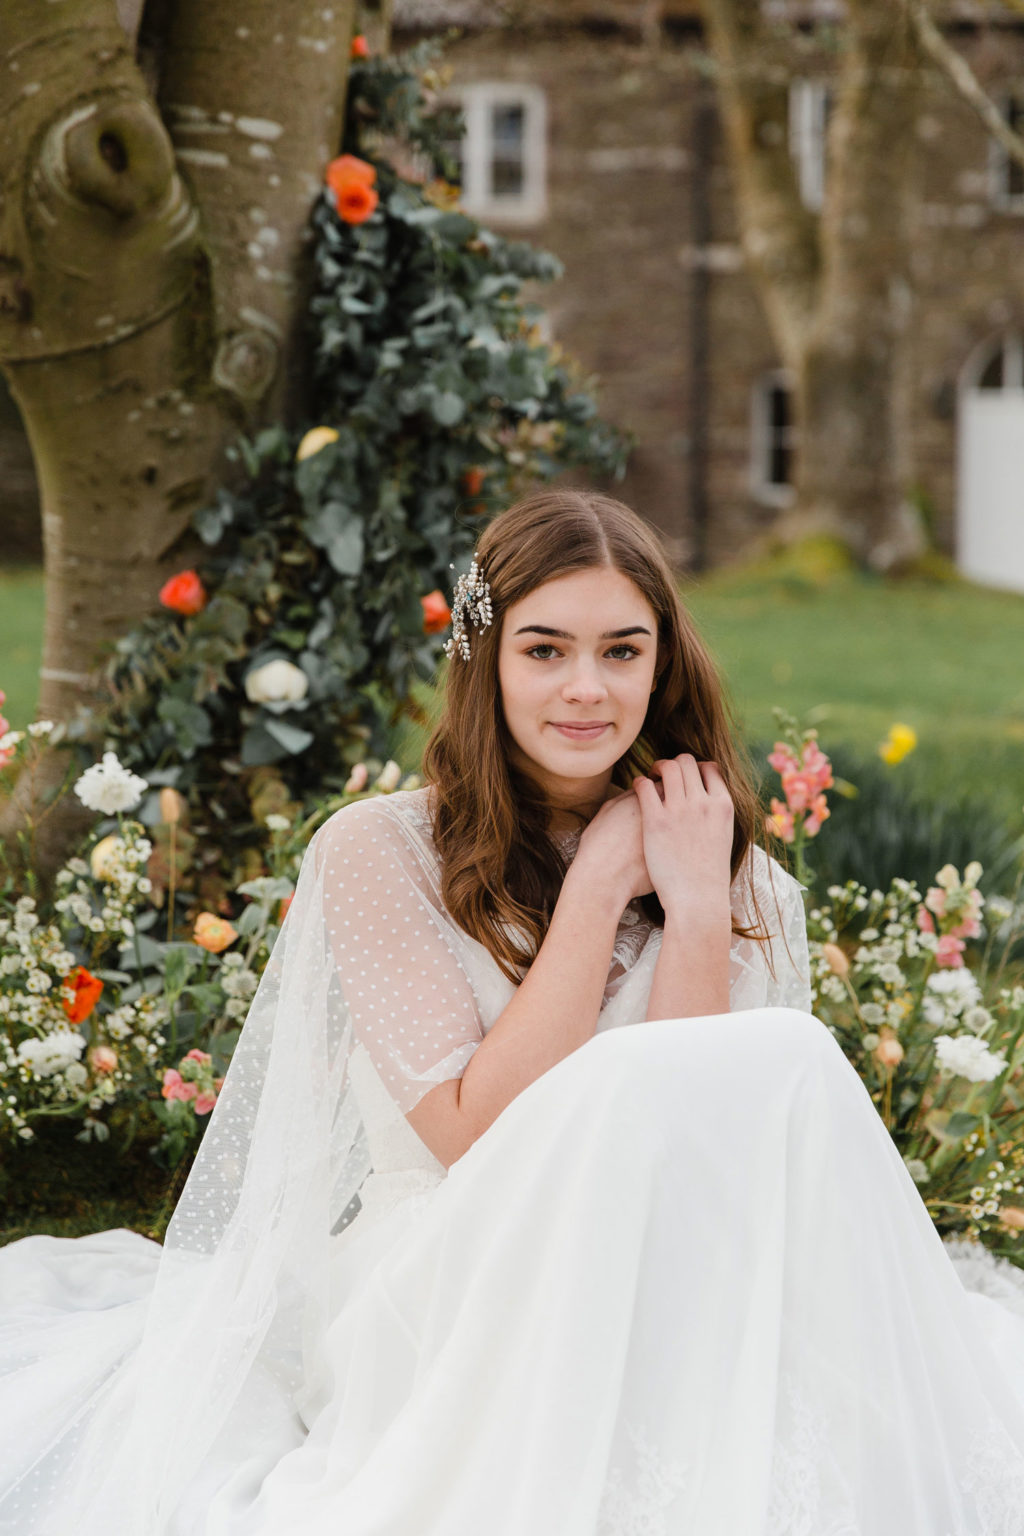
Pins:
x: 501, y: 871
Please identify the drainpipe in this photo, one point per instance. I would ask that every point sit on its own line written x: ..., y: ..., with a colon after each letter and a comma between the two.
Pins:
x: 701, y: 145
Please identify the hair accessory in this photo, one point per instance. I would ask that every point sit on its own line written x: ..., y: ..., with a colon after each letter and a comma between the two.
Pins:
x: 472, y: 602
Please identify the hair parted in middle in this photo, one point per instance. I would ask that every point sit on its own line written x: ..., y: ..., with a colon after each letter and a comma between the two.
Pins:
x: 501, y: 870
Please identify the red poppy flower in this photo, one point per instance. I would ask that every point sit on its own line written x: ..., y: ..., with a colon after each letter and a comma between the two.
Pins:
x: 184, y: 593
x: 87, y: 989
x: 360, y: 47
x: 436, y: 613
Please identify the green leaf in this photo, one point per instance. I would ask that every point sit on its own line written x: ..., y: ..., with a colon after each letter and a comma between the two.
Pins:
x: 447, y: 408
x: 291, y: 737
x: 960, y: 1124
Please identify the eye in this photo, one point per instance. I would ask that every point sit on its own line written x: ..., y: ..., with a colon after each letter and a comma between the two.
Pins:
x: 623, y: 652
x: 542, y: 645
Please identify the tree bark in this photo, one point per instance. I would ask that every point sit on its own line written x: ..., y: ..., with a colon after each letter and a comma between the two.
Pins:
x: 153, y: 268
x: 836, y: 287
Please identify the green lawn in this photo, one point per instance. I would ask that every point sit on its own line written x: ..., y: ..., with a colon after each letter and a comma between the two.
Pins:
x: 944, y: 657
x: 21, y: 642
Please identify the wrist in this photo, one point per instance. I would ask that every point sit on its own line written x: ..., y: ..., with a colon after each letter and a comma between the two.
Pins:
x: 595, y: 891
x: 697, y: 912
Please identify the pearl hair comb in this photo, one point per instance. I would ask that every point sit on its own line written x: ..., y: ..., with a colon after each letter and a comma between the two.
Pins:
x: 470, y: 606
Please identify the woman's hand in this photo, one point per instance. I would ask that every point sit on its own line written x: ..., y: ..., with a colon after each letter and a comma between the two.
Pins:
x: 687, y: 831
x: 611, y: 851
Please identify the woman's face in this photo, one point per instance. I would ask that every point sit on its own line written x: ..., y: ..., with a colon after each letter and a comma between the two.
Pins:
x: 576, y: 667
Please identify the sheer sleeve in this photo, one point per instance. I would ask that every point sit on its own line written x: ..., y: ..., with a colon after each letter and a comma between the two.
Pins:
x: 785, y: 981
x: 409, y: 997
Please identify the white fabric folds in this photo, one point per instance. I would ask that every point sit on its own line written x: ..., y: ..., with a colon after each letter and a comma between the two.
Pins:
x: 682, y: 1286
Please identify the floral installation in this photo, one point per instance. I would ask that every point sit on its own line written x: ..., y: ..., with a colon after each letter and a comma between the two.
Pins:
x: 939, y: 1043
x: 102, y: 1019
x: 317, y: 613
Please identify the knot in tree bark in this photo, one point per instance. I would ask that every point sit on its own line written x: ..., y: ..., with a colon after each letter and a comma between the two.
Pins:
x: 116, y: 154
x: 246, y: 363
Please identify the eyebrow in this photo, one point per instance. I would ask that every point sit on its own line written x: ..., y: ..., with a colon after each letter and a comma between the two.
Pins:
x: 563, y: 634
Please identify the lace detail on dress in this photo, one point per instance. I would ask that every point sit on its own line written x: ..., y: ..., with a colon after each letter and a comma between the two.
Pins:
x: 637, y: 1505
x: 798, y: 1502
x: 993, y: 1484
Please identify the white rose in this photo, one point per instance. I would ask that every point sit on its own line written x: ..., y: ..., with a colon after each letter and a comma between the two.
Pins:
x: 276, y: 682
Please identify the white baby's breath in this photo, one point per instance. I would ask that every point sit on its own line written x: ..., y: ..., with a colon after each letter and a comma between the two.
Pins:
x: 967, y: 1056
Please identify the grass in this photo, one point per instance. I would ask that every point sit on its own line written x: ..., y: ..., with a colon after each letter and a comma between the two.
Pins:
x: 856, y: 654
x: 21, y: 643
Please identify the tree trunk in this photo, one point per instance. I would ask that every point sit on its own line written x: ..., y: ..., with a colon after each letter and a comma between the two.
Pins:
x: 153, y: 271
x: 836, y: 288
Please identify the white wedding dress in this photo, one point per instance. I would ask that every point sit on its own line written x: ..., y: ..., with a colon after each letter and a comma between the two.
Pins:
x: 682, y: 1286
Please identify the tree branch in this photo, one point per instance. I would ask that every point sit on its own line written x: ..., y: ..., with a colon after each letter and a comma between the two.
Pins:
x: 957, y: 70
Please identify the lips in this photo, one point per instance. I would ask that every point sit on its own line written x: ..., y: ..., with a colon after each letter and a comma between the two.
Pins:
x: 583, y: 730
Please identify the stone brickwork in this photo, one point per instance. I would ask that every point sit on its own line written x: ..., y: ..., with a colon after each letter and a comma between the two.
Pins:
x: 655, y: 299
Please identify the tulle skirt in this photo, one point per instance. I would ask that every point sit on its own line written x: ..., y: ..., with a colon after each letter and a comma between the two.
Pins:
x: 683, y: 1286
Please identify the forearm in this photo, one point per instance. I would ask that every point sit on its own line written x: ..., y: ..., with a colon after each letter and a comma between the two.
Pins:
x: 555, y: 1008
x: 691, y: 975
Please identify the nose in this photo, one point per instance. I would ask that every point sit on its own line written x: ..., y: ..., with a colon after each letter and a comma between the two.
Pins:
x: 584, y: 684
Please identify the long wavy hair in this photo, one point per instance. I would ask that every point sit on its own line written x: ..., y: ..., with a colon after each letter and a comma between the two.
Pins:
x: 501, y: 868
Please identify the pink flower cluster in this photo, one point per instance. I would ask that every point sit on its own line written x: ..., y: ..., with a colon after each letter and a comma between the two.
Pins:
x: 195, y: 1082
x: 959, y: 916
x: 804, y: 781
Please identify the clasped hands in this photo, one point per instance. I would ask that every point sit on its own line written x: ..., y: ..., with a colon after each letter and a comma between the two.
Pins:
x: 671, y: 833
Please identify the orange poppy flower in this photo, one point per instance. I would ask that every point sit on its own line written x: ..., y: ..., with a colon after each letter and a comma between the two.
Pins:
x: 351, y: 180
x: 213, y: 933
x: 436, y: 613
x: 86, y: 988
x: 184, y: 593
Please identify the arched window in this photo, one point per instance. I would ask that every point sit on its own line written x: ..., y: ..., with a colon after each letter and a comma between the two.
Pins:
x: 772, y: 439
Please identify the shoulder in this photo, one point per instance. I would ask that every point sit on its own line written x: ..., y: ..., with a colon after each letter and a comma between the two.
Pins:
x: 382, y: 822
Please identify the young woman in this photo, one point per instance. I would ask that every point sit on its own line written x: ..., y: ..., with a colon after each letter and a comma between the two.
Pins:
x: 535, y: 1202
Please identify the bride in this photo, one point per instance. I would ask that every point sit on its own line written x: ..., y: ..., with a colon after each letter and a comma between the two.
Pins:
x: 535, y: 1203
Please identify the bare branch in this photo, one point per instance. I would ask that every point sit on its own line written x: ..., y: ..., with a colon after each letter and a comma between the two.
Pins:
x: 957, y: 70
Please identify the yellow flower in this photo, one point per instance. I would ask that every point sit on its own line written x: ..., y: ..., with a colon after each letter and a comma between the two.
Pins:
x: 314, y: 440
x: 900, y: 740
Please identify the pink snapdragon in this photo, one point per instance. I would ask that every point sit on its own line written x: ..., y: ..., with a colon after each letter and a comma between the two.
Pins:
x: 949, y: 952
x: 806, y: 773
x: 952, y: 909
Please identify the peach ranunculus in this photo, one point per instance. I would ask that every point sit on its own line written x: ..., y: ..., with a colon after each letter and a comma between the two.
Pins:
x: 436, y: 613
x: 360, y: 48
x: 889, y: 1052
x: 184, y: 594
x: 1012, y: 1218
x: 103, y: 1059
x: 357, y: 779
x: 213, y: 933
x: 86, y: 989
x: 202, y: 1057
x: 351, y: 183
x: 204, y: 1101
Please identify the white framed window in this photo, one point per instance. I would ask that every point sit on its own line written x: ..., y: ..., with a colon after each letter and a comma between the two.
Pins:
x: 1006, y: 173
x: 772, y: 439
x: 503, y: 154
x: 998, y: 365
x: 810, y: 104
